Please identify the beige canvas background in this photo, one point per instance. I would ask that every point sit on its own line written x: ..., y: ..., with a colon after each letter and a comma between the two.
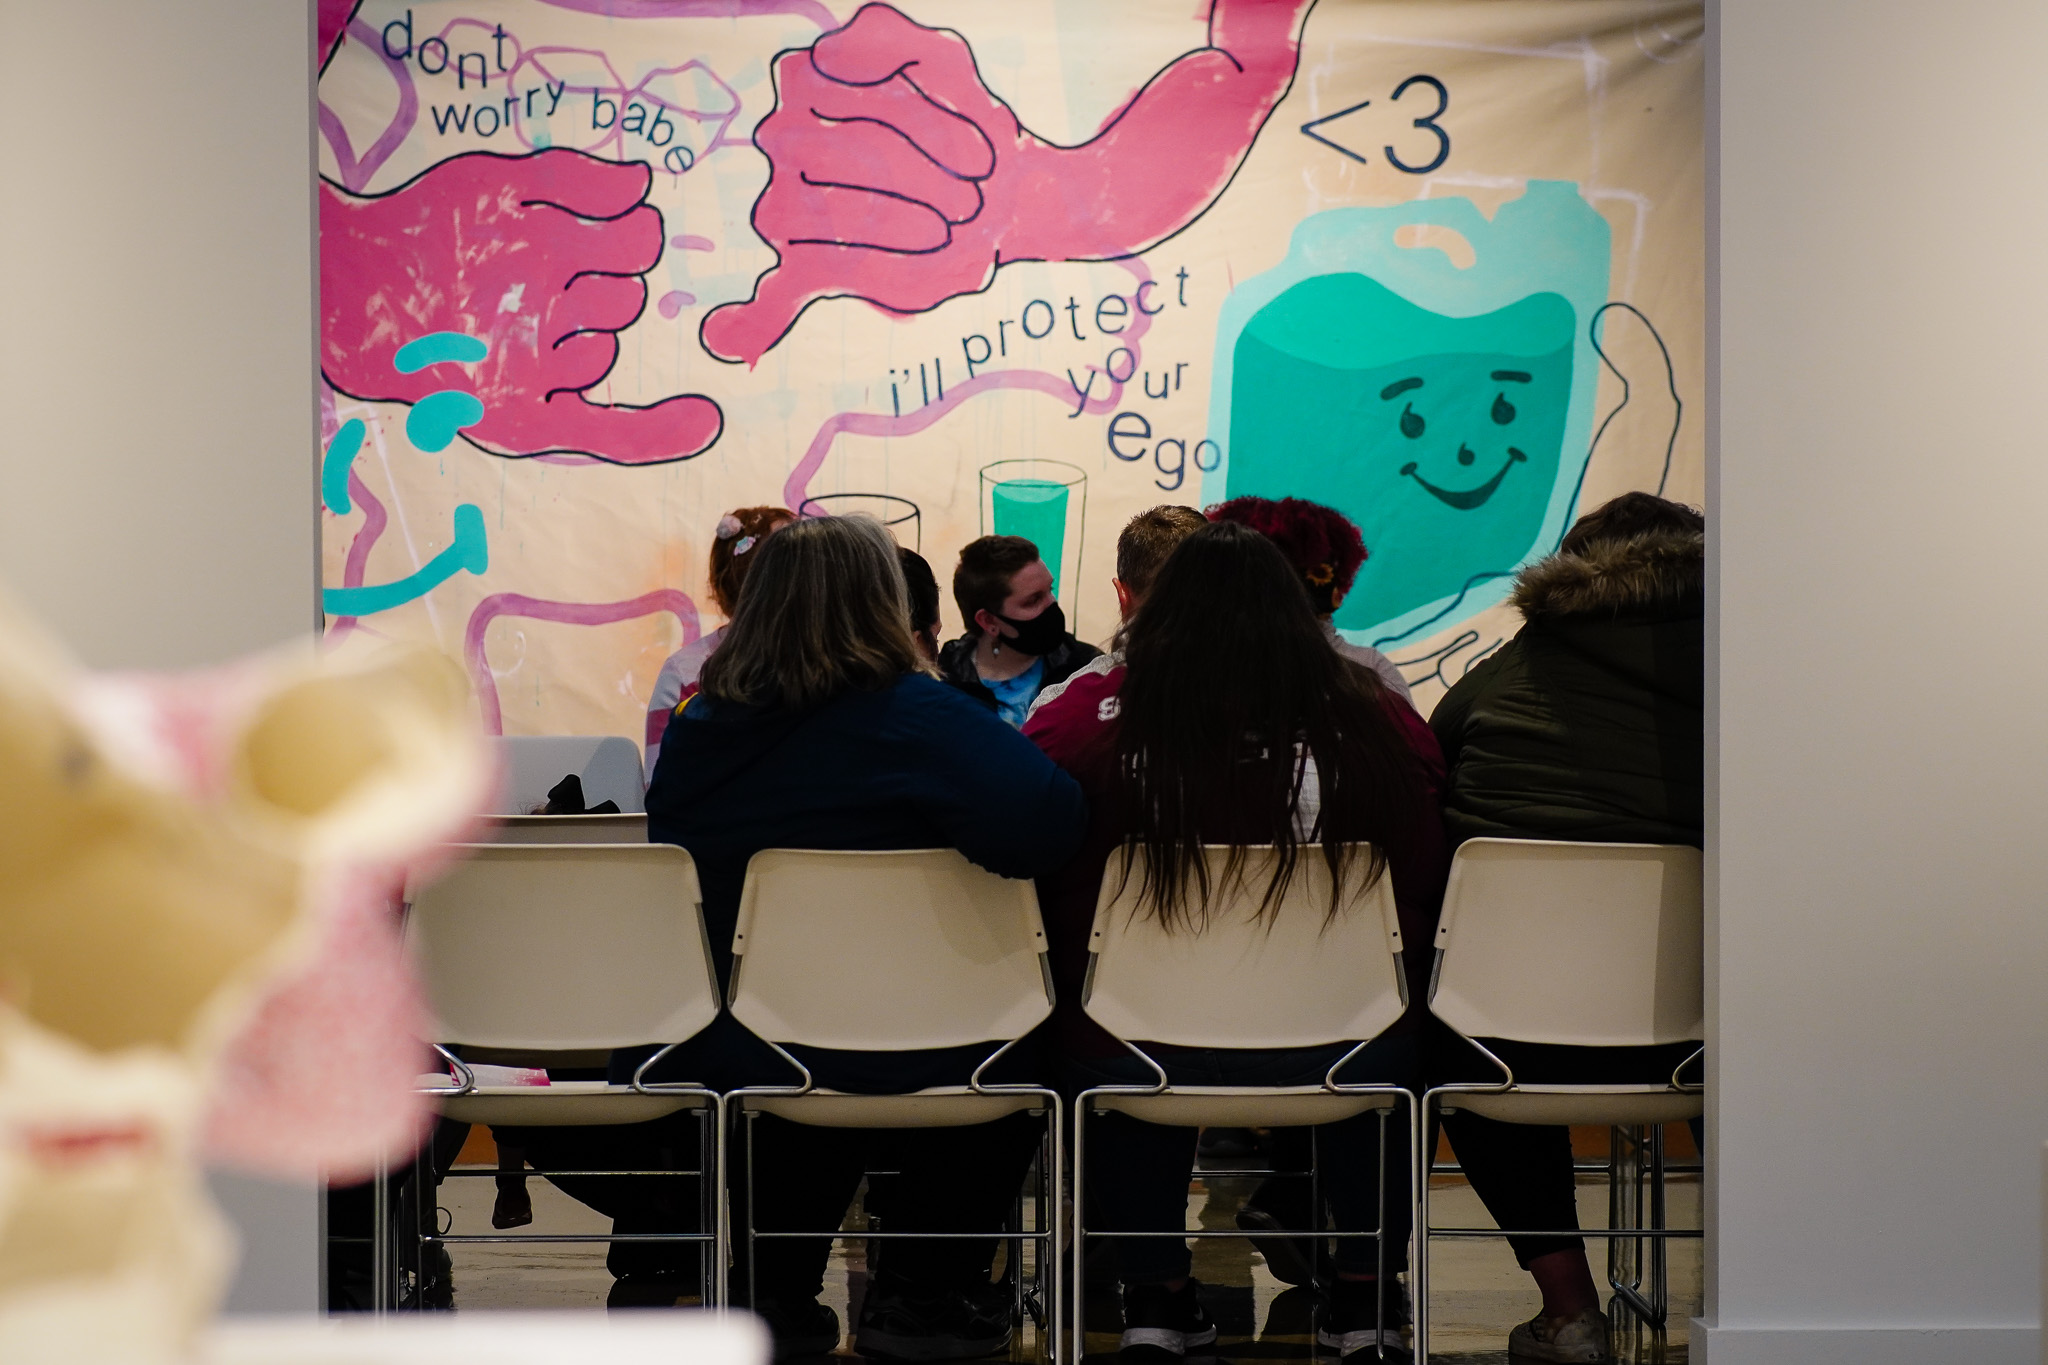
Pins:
x: 1605, y: 94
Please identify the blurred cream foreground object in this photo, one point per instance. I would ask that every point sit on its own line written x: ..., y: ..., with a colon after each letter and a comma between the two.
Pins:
x: 688, y: 1338
x: 198, y: 961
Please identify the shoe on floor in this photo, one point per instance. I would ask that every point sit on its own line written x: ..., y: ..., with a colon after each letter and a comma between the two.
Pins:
x: 901, y: 1321
x: 1162, y: 1324
x: 645, y: 1289
x: 1286, y: 1257
x: 514, y: 1206
x: 800, y: 1327
x: 1361, y: 1326
x: 1580, y: 1341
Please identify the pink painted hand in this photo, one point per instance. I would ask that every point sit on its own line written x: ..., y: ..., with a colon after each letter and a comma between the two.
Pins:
x: 538, y: 256
x: 897, y: 177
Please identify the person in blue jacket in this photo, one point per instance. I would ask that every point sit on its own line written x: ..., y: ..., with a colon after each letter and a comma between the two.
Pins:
x: 818, y: 725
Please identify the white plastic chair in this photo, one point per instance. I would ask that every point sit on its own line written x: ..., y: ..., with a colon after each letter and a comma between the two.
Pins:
x: 538, y: 954
x: 1588, y: 945
x: 609, y: 766
x: 623, y: 828
x: 1298, y: 979
x: 892, y: 952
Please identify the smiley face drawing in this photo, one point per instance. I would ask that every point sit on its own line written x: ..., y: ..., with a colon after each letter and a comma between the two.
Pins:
x: 1445, y: 405
x: 1439, y: 436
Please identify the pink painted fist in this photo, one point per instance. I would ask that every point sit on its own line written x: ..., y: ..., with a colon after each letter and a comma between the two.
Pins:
x: 538, y: 256
x: 897, y: 177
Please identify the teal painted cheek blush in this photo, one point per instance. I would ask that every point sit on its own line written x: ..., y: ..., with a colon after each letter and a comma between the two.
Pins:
x: 1440, y: 436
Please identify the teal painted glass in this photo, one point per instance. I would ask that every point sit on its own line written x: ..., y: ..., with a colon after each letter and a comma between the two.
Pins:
x: 1439, y: 436
x: 1035, y: 509
x: 1447, y: 409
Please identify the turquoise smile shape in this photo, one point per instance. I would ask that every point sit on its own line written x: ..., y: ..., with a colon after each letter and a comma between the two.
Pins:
x: 1467, y: 499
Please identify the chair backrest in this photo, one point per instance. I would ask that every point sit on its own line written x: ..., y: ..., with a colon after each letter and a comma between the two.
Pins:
x: 1597, y: 945
x: 888, y: 951
x: 570, y: 829
x: 608, y: 764
x: 563, y: 947
x: 1300, y: 979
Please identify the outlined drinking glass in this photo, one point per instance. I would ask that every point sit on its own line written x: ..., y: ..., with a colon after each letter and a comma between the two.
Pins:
x: 1046, y: 502
x: 900, y: 515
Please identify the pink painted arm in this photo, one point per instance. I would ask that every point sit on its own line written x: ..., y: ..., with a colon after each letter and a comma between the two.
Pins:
x: 539, y: 256
x: 897, y: 177
x: 1167, y: 154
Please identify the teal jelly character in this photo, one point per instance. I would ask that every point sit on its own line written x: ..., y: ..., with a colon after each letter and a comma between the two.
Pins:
x: 1446, y: 410
x: 1439, y: 436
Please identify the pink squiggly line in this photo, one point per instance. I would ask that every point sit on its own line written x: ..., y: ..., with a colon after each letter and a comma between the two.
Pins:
x: 670, y: 600
x: 798, y: 488
x: 375, y: 519
x: 355, y: 174
x: 812, y: 10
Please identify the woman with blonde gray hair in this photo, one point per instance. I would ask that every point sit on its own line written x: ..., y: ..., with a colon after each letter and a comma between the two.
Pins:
x: 818, y: 725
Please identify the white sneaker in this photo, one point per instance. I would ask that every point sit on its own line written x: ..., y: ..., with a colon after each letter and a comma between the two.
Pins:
x: 1581, y: 1341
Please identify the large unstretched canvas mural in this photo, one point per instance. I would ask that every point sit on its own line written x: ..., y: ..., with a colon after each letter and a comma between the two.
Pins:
x: 594, y: 272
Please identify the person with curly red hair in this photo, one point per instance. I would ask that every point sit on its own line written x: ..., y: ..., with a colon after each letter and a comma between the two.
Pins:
x: 1325, y: 548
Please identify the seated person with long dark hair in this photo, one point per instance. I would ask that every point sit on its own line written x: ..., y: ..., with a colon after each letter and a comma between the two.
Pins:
x: 817, y: 726
x: 1236, y: 723
x: 1586, y: 726
x: 1017, y: 642
x: 1326, y: 549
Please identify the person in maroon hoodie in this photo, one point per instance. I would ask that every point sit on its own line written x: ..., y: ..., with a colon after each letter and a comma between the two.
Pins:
x: 1236, y: 723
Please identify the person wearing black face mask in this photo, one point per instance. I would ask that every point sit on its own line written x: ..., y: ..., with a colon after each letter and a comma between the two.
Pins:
x: 1017, y: 642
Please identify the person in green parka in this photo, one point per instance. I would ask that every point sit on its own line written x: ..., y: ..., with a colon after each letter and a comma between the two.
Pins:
x: 1586, y: 726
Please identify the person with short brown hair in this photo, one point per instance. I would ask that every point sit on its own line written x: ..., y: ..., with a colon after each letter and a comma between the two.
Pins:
x: 1142, y: 549
x: 1017, y: 642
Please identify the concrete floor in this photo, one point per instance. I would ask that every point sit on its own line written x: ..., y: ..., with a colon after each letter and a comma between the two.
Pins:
x: 1477, y: 1293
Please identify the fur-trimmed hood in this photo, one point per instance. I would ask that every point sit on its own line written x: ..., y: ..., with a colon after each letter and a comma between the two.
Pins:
x: 1654, y: 575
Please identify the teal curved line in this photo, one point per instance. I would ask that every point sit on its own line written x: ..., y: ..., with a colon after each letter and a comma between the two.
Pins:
x: 468, y: 550
x: 434, y: 420
x: 335, y: 465
x: 436, y: 347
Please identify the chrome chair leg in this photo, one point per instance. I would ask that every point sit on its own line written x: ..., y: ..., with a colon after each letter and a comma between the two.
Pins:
x: 382, y: 1276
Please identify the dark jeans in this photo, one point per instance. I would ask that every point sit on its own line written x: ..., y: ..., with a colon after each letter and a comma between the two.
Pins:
x: 349, y: 1220
x: 950, y: 1179
x: 1138, y: 1172
x: 1522, y: 1172
x: 635, y: 1204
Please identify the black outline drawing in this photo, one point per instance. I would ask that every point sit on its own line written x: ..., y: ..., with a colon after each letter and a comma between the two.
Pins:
x: 1429, y: 121
x: 916, y: 517
x: 997, y: 261
x: 1671, y: 383
x: 613, y: 332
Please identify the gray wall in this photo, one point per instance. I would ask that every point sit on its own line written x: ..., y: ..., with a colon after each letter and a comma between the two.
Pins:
x: 156, y: 324
x: 157, y: 409
x: 1880, y: 937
